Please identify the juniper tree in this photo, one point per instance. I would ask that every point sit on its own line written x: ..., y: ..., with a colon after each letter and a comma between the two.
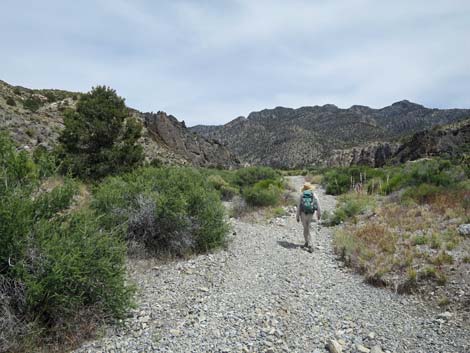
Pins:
x: 100, y: 137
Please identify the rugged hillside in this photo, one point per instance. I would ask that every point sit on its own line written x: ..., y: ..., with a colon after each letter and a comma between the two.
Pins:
x: 284, y: 137
x: 35, y: 117
x: 167, y: 130
x: 451, y: 141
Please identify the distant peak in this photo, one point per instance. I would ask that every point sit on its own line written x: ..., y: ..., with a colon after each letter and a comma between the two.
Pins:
x: 236, y: 121
x: 406, y: 103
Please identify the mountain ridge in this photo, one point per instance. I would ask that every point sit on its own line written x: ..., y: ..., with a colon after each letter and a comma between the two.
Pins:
x: 292, y: 138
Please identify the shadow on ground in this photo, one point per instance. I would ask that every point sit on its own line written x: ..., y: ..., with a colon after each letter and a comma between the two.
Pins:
x: 288, y: 245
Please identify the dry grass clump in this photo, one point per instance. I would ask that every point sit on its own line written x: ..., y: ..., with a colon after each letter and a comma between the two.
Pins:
x: 314, y: 179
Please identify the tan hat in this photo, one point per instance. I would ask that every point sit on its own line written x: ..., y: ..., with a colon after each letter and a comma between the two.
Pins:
x: 308, y: 186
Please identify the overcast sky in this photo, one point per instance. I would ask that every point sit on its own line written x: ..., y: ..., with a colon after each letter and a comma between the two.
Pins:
x: 211, y: 61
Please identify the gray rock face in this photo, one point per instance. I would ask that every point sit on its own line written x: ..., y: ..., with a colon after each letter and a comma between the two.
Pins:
x: 285, y: 137
x: 374, y: 155
x: 449, y: 141
x: 193, y: 147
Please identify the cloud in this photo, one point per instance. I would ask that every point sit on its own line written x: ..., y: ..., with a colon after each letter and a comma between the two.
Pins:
x: 209, y: 61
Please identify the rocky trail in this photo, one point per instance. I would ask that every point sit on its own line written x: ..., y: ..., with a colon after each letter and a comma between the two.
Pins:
x: 265, y: 294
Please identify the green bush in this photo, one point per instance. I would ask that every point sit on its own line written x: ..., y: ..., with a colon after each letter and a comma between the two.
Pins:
x: 350, y: 205
x: 48, y: 204
x: 57, y: 265
x: 45, y: 161
x: 169, y: 210
x: 51, y: 97
x: 16, y: 169
x: 11, y: 102
x: 99, y: 137
x: 251, y: 175
x: 32, y: 104
x: 227, y: 192
x: 336, y: 183
x: 263, y: 193
x: 80, y: 267
x: 422, y: 193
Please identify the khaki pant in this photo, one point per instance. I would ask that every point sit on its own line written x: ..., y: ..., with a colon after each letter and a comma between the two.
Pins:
x: 306, y: 219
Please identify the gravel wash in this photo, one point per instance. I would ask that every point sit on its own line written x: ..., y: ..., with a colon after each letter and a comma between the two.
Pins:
x: 264, y: 293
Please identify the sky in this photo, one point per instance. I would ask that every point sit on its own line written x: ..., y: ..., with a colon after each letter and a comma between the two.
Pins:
x: 209, y: 61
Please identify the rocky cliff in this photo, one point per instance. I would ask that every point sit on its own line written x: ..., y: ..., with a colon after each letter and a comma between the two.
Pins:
x: 450, y: 141
x: 193, y: 147
x: 35, y: 117
x: 374, y: 155
x: 325, y: 135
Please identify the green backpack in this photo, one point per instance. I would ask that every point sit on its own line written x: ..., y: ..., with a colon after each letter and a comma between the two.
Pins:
x: 309, y: 203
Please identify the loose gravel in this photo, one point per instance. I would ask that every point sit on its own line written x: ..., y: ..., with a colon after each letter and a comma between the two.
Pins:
x: 264, y: 293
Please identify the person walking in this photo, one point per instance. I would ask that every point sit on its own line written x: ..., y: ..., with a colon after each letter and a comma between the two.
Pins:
x: 308, y: 207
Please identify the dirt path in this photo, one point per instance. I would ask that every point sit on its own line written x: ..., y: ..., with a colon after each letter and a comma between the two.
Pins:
x: 265, y: 294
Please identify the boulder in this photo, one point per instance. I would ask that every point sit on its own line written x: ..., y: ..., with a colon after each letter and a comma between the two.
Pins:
x: 464, y: 229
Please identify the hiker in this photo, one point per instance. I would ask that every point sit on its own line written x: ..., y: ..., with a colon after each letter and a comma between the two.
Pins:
x: 308, y: 206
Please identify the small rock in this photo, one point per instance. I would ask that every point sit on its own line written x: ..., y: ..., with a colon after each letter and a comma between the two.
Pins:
x: 175, y: 332
x: 464, y: 229
x: 334, y: 346
x: 376, y: 349
x: 360, y: 348
x: 445, y: 315
x: 371, y: 335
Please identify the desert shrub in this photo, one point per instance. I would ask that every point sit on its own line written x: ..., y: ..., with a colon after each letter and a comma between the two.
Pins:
x: 99, y: 137
x: 263, y: 193
x: 336, y: 183
x: 251, y: 175
x: 56, y: 267
x: 278, y: 212
x: 339, y: 180
x: 239, y: 207
x: 45, y: 161
x: 51, y: 97
x: 422, y: 193
x: 346, y: 246
x: 16, y: 169
x: 315, y: 179
x: 419, y: 240
x: 75, y: 266
x: 12, y: 327
x: 32, y: 104
x: 169, y: 210
x: 349, y: 206
x: 11, y: 102
x: 48, y: 204
x: 227, y: 192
